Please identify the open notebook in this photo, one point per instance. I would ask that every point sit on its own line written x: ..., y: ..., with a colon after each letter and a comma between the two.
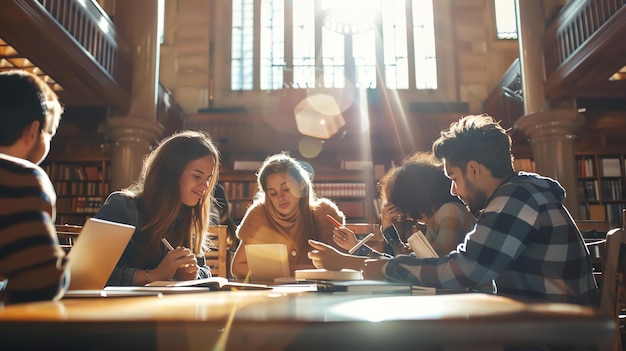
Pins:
x: 267, y: 262
x: 96, y: 252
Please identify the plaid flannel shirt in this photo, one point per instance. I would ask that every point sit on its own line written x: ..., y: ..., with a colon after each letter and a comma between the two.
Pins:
x: 524, y: 241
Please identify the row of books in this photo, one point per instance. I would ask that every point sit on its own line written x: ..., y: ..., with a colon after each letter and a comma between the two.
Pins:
x: 351, y: 209
x: 608, y: 190
x: 246, y: 190
x: 588, y: 190
x: 81, y: 188
x: 585, y: 167
x: 598, y: 212
x: 609, y: 167
x: 331, y: 190
x: 75, y: 172
x: 79, y: 204
x: 239, y: 190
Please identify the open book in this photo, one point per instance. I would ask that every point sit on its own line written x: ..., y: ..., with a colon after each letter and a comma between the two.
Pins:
x: 421, y: 246
x: 213, y: 283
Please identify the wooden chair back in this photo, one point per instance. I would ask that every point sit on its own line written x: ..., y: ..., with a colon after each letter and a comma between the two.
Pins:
x: 67, y: 234
x: 216, y: 257
x: 613, y: 270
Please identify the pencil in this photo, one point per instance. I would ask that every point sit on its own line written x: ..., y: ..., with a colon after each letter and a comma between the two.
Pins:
x: 334, y: 221
x: 167, y: 244
x: 361, y: 243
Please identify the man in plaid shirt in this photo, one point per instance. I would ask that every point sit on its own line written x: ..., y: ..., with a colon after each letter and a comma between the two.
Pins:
x: 525, y: 241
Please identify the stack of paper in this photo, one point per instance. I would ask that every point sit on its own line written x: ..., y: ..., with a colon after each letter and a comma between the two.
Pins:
x: 421, y: 246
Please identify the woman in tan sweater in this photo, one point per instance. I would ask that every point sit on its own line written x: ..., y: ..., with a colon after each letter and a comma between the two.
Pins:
x: 287, y: 211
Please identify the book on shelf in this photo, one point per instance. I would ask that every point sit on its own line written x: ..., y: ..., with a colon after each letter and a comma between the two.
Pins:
x: 611, y: 189
x: 597, y: 212
x: 585, y: 167
x: 611, y: 168
x: 589, y: 190
x: 92, y: 172
x: 420, y: 246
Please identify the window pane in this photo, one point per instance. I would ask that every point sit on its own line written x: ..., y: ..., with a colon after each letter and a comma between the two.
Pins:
x: 333, y: 59
x: 506, y: 19
x: 242, y: 45
x: 272, y: 44
x: 395, y: 51
x: 303, y: 43
x: 359, y: 42
x: 364, y: 53
x: 424, y: 43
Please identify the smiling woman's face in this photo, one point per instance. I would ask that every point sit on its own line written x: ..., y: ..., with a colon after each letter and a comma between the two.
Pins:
x: 283, y: 191
x: 195, y: 180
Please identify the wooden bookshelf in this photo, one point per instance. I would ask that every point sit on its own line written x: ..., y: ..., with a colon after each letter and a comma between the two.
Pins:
x: 524, y: 164
x: 347, y: 189
x: 601, y: 187
x: 81, y: 187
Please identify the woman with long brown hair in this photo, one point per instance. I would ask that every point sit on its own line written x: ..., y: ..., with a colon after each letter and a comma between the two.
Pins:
x: 287, y: 211
x: 171, y: 200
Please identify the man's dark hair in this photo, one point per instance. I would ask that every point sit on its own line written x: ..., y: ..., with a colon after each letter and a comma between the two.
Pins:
x: 476, y: 138
x: 25, y: 98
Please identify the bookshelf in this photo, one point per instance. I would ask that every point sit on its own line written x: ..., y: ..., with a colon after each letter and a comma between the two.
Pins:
x: 347, y: 189
x: 239, y: 194
x: 524, y: 164
x: 601, y: 187
x: 81, y: 187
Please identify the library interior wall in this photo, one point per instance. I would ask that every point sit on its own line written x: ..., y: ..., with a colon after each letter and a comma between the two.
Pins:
x: 478, y: 64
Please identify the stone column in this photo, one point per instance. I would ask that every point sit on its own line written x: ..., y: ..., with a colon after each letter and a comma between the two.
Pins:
x: 551, y: 132
x: 132, y: 133
x: 130, y: 140
x: 552, y: 139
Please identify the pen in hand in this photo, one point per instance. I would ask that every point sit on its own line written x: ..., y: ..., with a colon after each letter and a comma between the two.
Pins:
x: 361, y: 243
x: 334, y: 221
x: 167, y: 244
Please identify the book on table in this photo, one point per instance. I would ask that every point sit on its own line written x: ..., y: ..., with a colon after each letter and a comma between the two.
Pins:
x: 212, y: 283
x: 382, y: 287
x: 364, y: 286
x: 323, y: 274
x: 420, y: 246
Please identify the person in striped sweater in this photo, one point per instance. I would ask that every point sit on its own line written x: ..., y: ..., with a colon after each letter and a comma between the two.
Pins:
x: 32, y: 264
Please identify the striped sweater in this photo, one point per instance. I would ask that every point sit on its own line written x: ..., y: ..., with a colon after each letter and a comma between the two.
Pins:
x: 32, y: 264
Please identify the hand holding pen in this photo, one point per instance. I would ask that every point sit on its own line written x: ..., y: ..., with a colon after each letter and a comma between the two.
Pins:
x: 182, y: 260
x: 346, y: 238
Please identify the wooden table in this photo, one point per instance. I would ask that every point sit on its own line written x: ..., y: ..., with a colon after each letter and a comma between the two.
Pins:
x: 295, y: 320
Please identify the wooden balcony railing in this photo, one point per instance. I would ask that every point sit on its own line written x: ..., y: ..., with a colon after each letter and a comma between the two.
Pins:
x: 76, y: 44
x: 576, y: 24
x: 92, y: 29
x: 583, y: 46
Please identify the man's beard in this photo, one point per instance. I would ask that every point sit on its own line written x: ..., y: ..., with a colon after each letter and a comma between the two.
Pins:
x: 476, y: 201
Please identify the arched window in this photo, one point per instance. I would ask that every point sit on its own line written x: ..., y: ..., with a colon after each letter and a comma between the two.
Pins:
x: 327, y: 43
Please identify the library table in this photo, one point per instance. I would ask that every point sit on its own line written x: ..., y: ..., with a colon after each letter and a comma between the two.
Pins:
x: 292, y: 319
